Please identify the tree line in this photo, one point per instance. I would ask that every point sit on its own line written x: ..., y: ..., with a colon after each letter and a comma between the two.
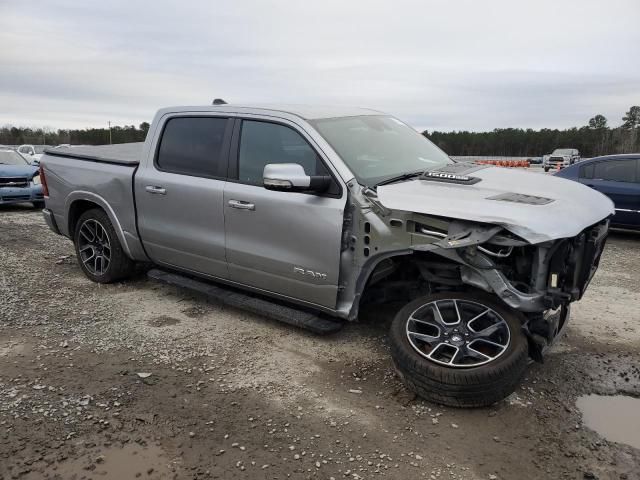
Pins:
x: 11, y: 135
x: 595, y: 138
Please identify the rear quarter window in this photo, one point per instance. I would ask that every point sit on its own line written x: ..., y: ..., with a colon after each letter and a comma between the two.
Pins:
x: 586, y: 171
x: 623, y: 170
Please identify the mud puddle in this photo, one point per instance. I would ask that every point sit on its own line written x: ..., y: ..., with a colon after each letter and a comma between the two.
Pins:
x: 615, y: 417
x: 113, y: 463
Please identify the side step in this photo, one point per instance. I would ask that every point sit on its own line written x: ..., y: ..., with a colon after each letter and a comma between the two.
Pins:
x: 292, y: 316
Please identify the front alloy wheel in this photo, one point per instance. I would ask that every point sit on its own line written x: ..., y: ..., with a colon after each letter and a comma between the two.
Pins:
x: 462, y: 349
x: 458, y: 333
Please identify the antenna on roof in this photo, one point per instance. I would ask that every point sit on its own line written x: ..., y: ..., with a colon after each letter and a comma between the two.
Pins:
x: 218, y: 101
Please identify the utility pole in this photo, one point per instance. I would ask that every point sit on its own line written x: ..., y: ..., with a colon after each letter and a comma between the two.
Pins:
x: 109, y: 132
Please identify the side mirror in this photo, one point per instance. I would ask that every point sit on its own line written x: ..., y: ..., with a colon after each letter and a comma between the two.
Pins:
x: 35, y: 162
x: 291, y: 177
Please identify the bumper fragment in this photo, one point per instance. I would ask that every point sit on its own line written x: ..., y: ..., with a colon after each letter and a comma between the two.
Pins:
x: 50, y: 220
x: 10, y: 195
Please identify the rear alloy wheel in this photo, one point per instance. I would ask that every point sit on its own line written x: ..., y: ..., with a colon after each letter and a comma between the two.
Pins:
x: 94, y: 247
x: 459, y: 349
x: 99, y: 252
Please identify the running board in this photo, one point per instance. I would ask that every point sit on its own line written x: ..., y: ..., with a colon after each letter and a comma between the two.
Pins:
x: 292, y: 316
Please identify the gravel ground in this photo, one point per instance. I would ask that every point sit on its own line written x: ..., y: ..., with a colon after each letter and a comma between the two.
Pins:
x: 143, y: 380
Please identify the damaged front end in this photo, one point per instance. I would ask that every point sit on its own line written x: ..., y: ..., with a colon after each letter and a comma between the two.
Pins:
x: 396, y: 254
x: 539, y: 281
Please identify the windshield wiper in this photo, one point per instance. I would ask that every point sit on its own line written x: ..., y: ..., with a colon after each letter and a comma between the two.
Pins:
x: 399, y: 178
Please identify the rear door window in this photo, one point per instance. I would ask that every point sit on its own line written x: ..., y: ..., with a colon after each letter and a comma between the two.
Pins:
x: 194, y: 146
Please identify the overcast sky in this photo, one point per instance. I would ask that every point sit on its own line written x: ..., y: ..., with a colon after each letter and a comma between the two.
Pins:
x: 444, y: 65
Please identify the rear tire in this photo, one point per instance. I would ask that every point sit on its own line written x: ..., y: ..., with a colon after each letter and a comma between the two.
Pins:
x: 100, y: 254
x: 461, y: 385
x: 546, y: 169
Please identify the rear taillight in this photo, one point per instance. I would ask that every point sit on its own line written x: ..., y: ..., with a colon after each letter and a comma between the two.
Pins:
x: 43, y: 180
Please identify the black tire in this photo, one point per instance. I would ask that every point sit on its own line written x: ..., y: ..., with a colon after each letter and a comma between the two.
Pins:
x: 546, y: 169
x: 38, y: 205
x: 477, y: 386
x: 120, y: 265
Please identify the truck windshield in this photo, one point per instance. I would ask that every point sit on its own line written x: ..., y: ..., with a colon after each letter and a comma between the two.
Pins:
x: 12, y: 158
x: 562, y: 151
x: 378, y: 147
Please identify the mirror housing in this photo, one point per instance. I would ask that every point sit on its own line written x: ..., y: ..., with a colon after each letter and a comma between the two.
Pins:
x: 291, y: 177
x: 35, y: 162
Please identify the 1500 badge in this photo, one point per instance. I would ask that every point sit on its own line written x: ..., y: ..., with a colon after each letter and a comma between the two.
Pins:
x: 436, y: 176
x: 310, y: 273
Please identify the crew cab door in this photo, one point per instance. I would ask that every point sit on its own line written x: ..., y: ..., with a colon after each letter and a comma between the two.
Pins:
x: 618, y: 179
x: 286, y: 243
x: 179, y: 194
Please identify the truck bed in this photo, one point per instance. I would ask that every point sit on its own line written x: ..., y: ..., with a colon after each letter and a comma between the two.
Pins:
x: 102, y: 175
x: 122, y: 153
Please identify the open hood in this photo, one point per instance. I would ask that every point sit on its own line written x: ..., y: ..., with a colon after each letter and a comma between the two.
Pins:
x: 534, y: 206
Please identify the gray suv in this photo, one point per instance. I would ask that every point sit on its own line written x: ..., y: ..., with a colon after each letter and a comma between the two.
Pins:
x: 313, y: 212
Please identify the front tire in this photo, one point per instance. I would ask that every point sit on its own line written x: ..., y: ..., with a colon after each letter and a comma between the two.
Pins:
x: 98, y: 249
x: 472, y: 363
x: 38, y: 205
x: 546, y: 169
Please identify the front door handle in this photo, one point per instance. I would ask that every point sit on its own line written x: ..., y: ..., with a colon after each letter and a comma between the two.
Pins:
x: 155, y: 190
x: 241, y: 205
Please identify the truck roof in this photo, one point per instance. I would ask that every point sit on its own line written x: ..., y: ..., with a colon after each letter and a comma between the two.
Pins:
x: 129, y: 153
x: 306, y: 112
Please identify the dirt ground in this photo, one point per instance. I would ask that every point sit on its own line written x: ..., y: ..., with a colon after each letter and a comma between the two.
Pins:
x: 143, y: 380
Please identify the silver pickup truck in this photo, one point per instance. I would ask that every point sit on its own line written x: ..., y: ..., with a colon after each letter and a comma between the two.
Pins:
x: 306, y: 214
x: 560, y: 158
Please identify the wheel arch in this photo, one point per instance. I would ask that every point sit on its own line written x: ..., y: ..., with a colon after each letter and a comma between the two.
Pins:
x: 79, y: 202
x: 362, y: 279
x: 417, y: 259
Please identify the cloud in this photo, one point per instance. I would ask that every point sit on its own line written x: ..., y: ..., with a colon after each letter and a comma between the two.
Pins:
x: 438, y: 65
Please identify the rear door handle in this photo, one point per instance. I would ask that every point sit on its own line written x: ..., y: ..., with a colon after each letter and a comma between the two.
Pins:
x: 155, y: 190
x: 239, y: 204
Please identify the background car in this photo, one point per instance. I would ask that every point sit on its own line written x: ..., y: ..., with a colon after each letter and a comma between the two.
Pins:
x: 562, y: 157
x: 19, y: 181
x: 31, y: 153
x: 618, y: 177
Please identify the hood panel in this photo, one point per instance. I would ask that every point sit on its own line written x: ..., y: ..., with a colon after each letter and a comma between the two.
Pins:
x: 17, y: 170
x: 572, y: 208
